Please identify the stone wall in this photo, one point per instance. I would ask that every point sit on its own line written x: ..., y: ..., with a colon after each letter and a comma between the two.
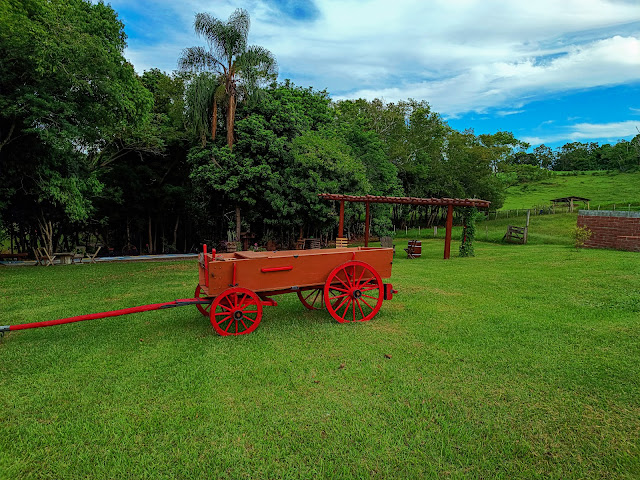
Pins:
x: 612, y: 229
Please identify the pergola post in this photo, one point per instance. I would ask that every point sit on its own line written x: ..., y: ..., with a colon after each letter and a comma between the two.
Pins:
x: 366, y: 225
x: 447, y: 238
x: 341, y: 224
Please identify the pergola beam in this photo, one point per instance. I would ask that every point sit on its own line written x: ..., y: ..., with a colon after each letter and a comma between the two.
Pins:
x: 442, y: 202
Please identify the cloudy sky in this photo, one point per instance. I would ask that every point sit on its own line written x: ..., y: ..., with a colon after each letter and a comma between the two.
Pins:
x: 550, y: 71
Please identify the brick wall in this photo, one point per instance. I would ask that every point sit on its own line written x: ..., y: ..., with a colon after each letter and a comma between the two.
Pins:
x: 611, y: 229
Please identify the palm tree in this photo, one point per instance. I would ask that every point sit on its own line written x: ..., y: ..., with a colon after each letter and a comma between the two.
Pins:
x: 240, y: 68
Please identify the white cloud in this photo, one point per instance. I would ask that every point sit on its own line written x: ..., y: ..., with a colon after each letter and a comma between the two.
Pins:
x: 609, y: 132
x: 459, y: 55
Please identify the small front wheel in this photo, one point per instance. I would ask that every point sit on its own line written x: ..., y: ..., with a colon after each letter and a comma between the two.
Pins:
x: 312, y: 299
x: 236, y: 311
x: 353, y: 292
x: 203, y: 308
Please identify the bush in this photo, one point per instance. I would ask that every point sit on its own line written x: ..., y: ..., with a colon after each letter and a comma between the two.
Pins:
x: 580, y: 235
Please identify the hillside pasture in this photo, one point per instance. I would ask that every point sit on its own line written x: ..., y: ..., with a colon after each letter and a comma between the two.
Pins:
x: 603, y: 188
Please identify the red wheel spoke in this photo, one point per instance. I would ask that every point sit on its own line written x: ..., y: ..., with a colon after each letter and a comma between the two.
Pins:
x: 222, y: 313
x: 365, y: 302
x: 360, y: 278
x: 367, y: 282
x: 360, y: 307
x: 341, y: 303
x: 243, y: 324
x: 248, y: 318
x: 224, y: 319
x: 375, y: 287
x: 339, y: 296
x: 333, y: 287
x: 344, y: 314
x: 353, y: 308
x: 315, y: 299
x: 228, y: 309
x: 348, y: 286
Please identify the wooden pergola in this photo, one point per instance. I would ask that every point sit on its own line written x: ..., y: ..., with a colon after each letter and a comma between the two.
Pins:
x: 441, y: 202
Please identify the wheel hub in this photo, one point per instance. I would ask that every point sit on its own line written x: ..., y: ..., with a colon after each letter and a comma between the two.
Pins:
x: 237, y: 314
x: 356, y: 293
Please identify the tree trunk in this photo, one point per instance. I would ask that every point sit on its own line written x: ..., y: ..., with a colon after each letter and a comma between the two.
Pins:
x: 231, y: 114
x: 238, y: 224
x: 150, y: 244
x: 46, y: 234
x: 175, y: 233
x: 214, y: 120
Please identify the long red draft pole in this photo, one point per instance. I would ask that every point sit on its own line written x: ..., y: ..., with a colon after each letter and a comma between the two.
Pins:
x: 112, y: 313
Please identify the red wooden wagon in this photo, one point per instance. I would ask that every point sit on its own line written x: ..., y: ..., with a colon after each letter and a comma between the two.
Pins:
x: 233, y: 288
x: 347, y: 281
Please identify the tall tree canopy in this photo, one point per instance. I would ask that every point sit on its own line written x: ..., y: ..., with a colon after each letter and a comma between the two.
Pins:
x: 240, y: 68
x: 68, y: 96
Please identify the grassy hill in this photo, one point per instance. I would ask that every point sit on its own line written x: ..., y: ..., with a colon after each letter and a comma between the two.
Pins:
x: 601, y: 187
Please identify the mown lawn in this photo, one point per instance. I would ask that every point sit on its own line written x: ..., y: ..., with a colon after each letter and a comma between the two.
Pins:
x: 522, y: 362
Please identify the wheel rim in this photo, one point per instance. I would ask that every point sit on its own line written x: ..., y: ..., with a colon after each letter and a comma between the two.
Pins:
x: 202, y: 308
x: 312, y: 299
x: 353, y: 292
x: 236, y: 311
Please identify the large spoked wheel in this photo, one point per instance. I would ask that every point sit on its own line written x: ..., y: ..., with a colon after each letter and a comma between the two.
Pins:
x: 353, y: 292
x: 312, y: 299
x: 202, y: 308
x: 236, y: 311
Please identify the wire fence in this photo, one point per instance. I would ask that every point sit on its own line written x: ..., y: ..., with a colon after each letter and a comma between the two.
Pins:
x: 551, y: 210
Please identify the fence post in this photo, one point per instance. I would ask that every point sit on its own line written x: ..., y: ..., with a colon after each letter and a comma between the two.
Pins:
x: 435, y: 230
x: 526, y: 228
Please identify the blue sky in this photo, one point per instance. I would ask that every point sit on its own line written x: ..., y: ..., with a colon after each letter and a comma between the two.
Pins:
x: 549, y: 71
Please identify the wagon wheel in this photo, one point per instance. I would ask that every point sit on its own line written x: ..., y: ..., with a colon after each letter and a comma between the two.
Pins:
x: 312, y: 299
x: 236, y: 311
x: 353, y: 292
x: 202, y: 308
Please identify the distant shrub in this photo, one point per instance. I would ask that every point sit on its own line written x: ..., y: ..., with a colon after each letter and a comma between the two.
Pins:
x: 580, y: 235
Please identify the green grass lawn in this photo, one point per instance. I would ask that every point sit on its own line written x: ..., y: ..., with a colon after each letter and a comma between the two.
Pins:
x: 522, y: 362
x: 601, y: 187
x: 543, y: 229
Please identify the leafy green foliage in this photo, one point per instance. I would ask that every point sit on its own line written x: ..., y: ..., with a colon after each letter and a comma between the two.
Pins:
x: 469, y: 217
x: 68, y: 100
x: 580, y: 235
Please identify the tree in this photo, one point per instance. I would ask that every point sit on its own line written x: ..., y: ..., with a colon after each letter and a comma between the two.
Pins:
x: 68, y: 97
x: 241, y: 68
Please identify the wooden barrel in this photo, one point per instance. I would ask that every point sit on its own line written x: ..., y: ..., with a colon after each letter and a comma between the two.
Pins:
x: 415, y: 246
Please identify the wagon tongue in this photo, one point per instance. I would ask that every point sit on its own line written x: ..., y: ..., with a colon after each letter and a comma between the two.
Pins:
x: 113, y: 313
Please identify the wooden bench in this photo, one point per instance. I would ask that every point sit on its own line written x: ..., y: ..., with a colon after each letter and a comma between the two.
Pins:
x: 13, y: 256
x: 342, y: 242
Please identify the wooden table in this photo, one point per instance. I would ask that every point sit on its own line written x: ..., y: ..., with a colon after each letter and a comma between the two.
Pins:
x: 66, y: 258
